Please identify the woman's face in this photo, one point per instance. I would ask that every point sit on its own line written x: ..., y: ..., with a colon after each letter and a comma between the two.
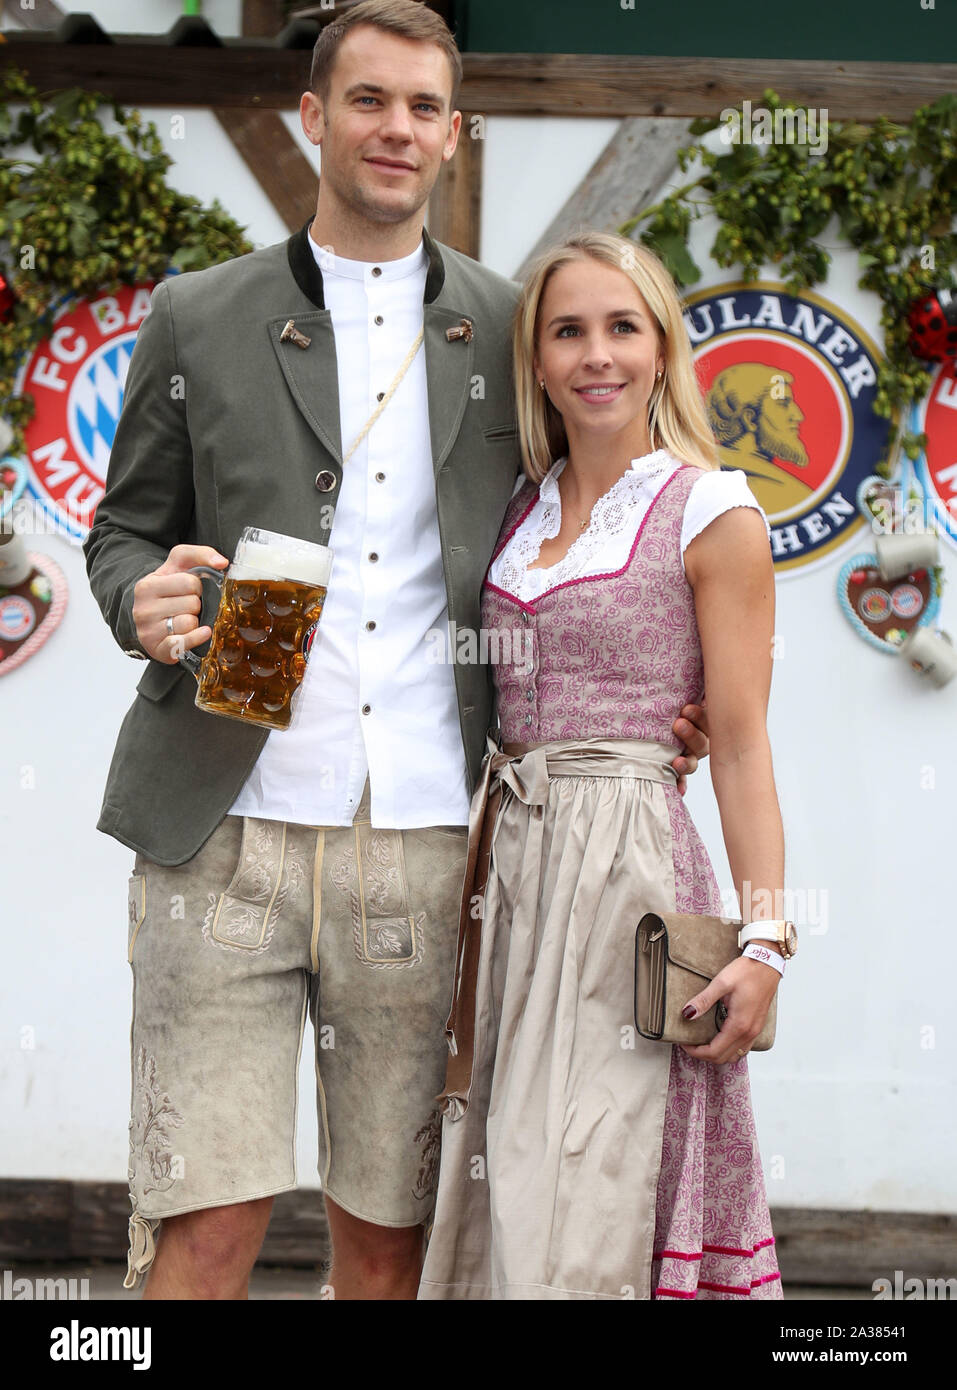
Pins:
x: 598, y: 351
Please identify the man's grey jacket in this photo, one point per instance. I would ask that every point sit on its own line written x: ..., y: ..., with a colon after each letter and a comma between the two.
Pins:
x: 224, y: 426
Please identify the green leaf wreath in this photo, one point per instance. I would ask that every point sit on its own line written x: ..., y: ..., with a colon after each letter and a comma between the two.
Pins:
x: 90, y: 212
x: 892, y: 189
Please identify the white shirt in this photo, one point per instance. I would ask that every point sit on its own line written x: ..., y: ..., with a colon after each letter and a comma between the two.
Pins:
x: 604, y: 547
x: 370, y: 651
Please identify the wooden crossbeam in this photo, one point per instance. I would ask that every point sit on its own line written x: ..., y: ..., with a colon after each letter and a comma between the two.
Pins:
x: 154, y: 74
x: 455, y: 208
x: 275, y: 160
x: 45, y: 14
x: 624, y: 178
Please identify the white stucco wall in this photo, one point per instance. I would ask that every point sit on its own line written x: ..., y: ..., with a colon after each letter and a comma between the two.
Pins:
x: 853, y: 1109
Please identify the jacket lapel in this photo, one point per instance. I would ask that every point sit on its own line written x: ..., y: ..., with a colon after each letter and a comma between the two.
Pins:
x: 448, y: 368
x: 311, y: 373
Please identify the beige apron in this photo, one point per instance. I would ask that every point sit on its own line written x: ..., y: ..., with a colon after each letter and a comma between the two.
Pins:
x: 551, y: 1140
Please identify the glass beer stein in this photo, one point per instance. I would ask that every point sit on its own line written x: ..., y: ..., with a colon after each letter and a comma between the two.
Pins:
x: 271, y: 598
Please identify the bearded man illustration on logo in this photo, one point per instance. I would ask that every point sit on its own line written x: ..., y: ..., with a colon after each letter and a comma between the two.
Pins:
x: 755, y: 419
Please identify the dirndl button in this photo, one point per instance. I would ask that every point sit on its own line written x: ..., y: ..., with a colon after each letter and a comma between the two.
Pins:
x: 326, y: 480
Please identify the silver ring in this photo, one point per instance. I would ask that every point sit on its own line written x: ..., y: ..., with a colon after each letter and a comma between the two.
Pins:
x: 169, y: 627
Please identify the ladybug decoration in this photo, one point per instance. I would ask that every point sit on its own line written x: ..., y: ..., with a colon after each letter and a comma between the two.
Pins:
x: 933, y: 324
x: 7, y: 298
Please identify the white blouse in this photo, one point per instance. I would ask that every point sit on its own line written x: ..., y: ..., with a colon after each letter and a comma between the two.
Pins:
x: 604, y: 546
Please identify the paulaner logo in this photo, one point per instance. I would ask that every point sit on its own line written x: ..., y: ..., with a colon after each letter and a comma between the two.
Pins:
x: 789, y: 382
x: 76, y: 1343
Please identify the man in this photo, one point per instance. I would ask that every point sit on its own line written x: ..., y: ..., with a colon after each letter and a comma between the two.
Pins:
x: 270, y: 872
x: 756, y: 421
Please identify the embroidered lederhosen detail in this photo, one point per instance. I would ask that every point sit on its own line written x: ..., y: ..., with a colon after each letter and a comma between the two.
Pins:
x: 244, y: 917
x: 136, y: 909
x: 153, y: 1118
x: 371, y: 872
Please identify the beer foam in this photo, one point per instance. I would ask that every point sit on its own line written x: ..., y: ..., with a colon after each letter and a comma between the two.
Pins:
x: 257, y: 561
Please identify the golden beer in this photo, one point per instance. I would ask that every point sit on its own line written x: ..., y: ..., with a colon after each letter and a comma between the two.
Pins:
x: 257, y: 656
x: 272, y: 596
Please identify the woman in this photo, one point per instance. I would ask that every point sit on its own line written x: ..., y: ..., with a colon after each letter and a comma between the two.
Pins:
x: 580, y: 1160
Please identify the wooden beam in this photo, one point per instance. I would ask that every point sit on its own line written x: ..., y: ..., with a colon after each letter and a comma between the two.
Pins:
x: 455, y: 208
x: 262, y: 19
x: 46, y: 14
x: 624, y: 178
x: 583, y: 85
x: 275, y: 160
x: 154, y: 74
x: 46, y: 1219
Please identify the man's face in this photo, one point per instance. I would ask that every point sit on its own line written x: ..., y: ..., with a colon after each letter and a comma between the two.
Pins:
x: 386, y: 126
x: 777, y: 430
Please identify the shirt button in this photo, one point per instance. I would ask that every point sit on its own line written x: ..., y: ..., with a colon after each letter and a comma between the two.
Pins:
x: 530, y: 694
x: 379, y: 320
x: 380, y: 477
x: 528, y: 719
x: 380, y: 395
x: 366, y: 709
x: 370, y: 626
x: 376, y: 270
x: 373, y: 556
x: 326, y: 480
x: 524, y: 616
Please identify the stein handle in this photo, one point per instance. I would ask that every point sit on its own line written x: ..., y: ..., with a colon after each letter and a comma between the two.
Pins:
x: 190, y: 660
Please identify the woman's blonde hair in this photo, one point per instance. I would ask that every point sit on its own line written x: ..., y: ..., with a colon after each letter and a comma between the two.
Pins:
x: 676, y: 414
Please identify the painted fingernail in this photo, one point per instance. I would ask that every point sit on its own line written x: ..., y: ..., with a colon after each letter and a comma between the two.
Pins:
x: 689, y: 1011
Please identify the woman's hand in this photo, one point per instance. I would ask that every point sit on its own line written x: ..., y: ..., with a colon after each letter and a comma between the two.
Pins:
x: 746, y: 988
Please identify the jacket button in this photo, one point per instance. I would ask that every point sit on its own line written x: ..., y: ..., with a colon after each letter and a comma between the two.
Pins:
x: 326, y: 480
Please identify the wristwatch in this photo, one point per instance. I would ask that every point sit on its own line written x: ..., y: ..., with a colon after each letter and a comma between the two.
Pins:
x: 781, y: 932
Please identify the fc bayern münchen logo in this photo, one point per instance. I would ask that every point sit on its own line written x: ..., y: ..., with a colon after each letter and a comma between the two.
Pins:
x: 76, y: 378
x: 789, y: 384
x: 937, y: 469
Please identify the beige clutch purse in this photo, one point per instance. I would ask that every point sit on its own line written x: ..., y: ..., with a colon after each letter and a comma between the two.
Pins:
x: 675, y: 957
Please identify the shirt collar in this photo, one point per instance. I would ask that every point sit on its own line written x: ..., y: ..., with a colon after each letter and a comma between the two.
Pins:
x: 307, y: 275
x: 369, y: 272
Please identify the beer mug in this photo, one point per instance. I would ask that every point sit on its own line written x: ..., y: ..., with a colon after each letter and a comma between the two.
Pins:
x: 271, y: 598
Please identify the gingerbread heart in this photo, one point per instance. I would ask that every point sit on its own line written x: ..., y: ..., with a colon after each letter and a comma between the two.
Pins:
x: 13, y: 480
x: 30, y: 611
x: 884, y: 611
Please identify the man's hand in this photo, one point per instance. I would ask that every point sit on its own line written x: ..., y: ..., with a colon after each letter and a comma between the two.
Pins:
x: 691, y: 726
x: 172, y: 592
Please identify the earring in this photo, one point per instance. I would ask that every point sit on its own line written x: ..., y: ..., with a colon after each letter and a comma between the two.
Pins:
x: 541, y: 384
x: 658, y: 374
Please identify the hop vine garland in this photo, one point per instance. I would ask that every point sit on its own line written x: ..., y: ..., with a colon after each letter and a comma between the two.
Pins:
x: 92, y: 211
x: 892, y: 189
